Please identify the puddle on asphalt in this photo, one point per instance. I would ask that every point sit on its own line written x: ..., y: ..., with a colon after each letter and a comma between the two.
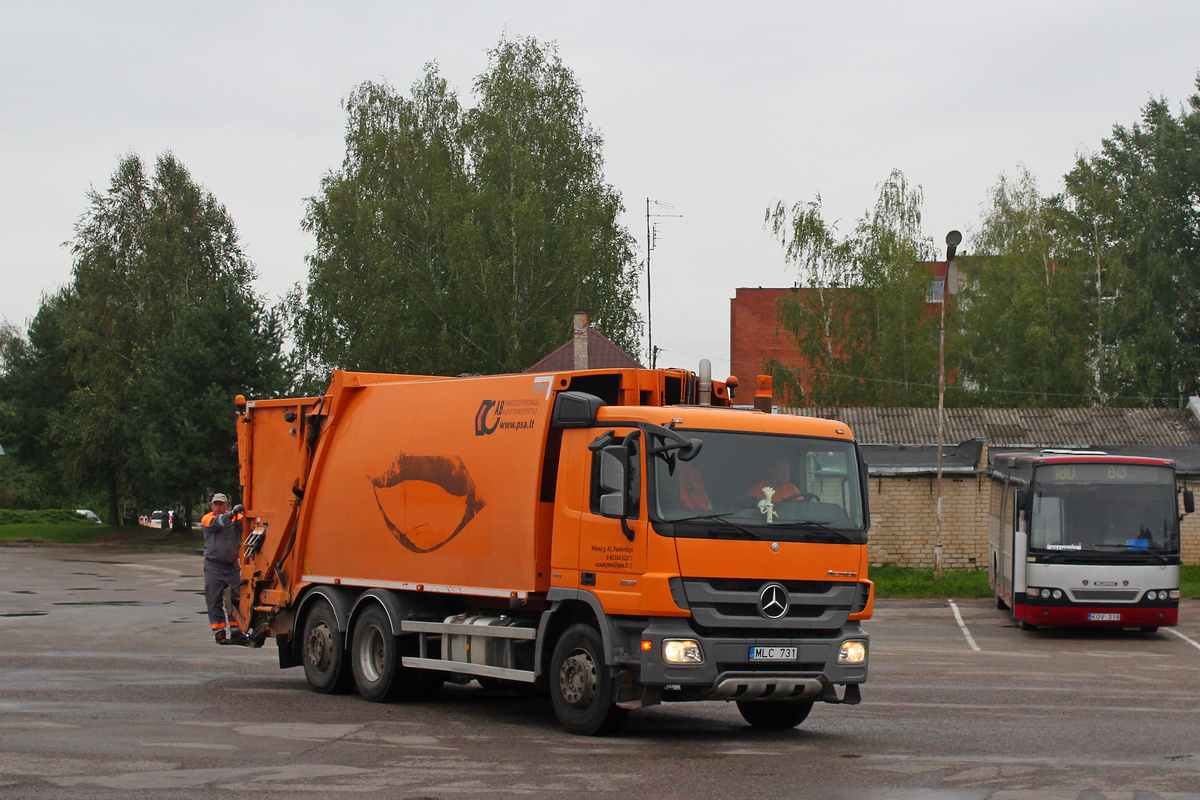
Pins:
x: 102, y: 603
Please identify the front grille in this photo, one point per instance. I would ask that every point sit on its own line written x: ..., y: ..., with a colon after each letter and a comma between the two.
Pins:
x: 721, y: 603
x: 1111, y: 595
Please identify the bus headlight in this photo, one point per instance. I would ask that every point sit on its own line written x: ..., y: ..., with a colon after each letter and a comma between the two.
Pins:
x: 1151, y: 595
x: 1174, y: 595
x: 853, y: 651
x: 1058, y: 594
x: 682, y: 651
x: 1045, y: 594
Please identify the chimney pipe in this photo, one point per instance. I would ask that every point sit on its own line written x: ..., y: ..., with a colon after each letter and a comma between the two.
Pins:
x: 581, y: 340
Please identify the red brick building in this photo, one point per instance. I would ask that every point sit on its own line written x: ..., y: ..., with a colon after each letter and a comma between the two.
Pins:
x: 755, y: 335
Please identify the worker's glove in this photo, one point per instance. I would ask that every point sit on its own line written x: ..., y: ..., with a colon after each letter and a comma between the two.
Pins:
x: 237, y: 509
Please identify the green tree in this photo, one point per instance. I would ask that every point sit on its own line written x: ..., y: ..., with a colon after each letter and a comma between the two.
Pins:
x: 859, y: 318
x: 35, y: 381
x: 546, y: 218
x: 1136, y: 216
x: 457, y: 240
x: 160, y: 288
x: 1026, y: 336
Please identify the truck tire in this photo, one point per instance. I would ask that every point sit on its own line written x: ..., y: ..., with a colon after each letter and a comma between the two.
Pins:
x: 375, y: 655
x: 323, y: 651
x: 775, y: 715
x: 583, y: 689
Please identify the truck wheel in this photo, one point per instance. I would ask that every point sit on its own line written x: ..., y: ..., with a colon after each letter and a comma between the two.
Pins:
x: 374, y: 656
x: 323, y: 651
x: 582, y: 688
x: 775, y: 715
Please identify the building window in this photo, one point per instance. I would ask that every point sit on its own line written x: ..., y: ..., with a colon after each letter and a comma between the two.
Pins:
x: 936, y: 287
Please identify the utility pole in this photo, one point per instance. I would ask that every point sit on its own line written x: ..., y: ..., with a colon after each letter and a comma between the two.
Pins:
x: 651, y: 235
x: 953, y: 240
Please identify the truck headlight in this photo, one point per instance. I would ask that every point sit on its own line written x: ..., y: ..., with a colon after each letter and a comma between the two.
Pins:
x: 682, y: 651
x: 853, y: 651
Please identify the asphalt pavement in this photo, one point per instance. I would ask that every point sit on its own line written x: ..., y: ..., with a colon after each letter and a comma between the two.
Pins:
x: 111, y: 686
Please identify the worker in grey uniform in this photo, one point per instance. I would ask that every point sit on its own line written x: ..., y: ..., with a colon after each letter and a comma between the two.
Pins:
x: 222, y: 538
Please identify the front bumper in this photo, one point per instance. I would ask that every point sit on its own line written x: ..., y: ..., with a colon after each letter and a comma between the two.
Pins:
x: 727, y: 673
x: 1097, y: 616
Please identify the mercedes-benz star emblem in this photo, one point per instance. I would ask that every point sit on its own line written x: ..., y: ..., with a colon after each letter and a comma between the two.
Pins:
x: 773, y: 601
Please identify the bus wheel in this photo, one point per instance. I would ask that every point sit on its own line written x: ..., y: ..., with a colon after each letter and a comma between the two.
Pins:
x: 1026, y: 625
x: 583, y: 689
x: 1150, y: 629
x: 775, y: 715
x: 323, y: 651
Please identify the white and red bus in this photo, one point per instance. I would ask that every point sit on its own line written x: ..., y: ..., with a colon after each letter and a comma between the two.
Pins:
x: 1084, y: 538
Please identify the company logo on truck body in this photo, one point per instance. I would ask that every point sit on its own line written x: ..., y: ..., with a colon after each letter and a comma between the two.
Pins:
x: 499, y: 415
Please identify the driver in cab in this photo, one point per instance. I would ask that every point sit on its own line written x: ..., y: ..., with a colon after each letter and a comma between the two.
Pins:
x: 778, y: 477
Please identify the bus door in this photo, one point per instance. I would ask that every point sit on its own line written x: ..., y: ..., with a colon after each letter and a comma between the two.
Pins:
x: 1020, y: 540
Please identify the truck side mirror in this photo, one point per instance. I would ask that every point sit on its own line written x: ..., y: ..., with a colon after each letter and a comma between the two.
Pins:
x: 1189, y: 501
x: 614, y: 467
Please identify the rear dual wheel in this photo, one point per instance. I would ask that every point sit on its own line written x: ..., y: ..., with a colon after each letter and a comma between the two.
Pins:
x: 376, y: 656
x: 323, y: 651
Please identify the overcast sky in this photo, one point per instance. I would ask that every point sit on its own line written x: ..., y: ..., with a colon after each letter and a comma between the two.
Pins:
x: 719, y: 109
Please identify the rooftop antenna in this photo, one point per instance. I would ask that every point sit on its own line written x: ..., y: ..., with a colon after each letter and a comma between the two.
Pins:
x: 651, y: 239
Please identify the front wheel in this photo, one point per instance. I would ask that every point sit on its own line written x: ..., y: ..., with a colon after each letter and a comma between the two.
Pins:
x: 582, y: 688
x: 774, y: 714
x: 323, y: 651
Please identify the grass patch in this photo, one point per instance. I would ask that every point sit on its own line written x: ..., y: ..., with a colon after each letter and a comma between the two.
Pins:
x: 1189, y: 581
x: 892, y: 581
x: 91, y: 533
x: 66, y: 516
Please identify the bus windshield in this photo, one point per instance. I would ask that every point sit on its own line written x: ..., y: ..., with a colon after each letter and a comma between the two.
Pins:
x: 1104, y: 508
x: 749, y: 480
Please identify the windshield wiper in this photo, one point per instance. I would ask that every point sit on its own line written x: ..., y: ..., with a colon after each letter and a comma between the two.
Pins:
x: 822, y: 527
x: 719, y: 518
x: 819, y: 527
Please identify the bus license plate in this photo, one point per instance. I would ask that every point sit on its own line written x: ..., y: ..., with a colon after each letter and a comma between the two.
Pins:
x: 1104, y: 617
x: 772, y: 653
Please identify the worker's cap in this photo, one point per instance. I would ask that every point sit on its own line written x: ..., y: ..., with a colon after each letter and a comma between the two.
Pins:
x: 220, y: 498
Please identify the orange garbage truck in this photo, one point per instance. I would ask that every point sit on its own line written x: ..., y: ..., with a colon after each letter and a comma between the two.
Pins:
x: 616, y: 538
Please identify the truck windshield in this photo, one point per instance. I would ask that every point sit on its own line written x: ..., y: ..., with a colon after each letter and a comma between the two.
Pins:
x: 750, y: 482
x: 1109, y: 508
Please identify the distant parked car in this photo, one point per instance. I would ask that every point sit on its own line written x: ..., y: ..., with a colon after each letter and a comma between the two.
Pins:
x: 83, y: 512
x: 156, y: 518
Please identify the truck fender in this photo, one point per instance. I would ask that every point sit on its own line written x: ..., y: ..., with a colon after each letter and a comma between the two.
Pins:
x: 340, y: 598
x: 396, y: 606
x: 559, y: 597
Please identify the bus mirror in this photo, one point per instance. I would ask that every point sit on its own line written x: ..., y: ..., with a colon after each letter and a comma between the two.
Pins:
x: 1022, y: 499
x: 1189, y: 501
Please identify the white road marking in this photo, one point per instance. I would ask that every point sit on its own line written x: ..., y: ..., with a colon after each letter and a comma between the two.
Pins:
x: 963, y: 626
x: 1187, y: 639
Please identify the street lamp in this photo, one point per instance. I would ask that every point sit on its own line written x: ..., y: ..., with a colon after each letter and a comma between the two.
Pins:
x: 953, y: 240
